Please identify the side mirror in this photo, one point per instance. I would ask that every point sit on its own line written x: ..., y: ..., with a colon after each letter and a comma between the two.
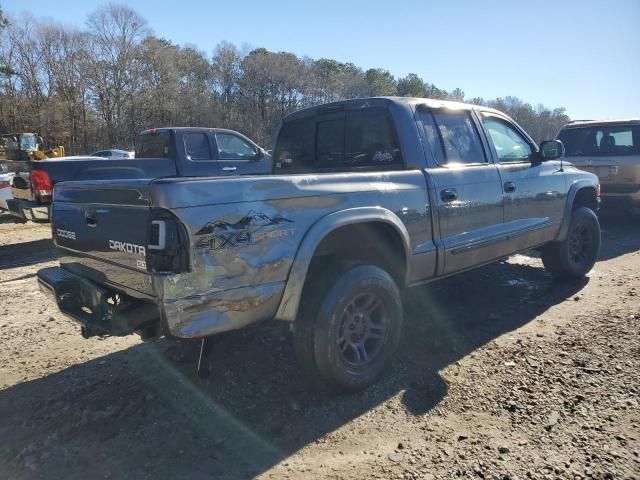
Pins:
x: 259, y: 155
x: 551, y: 150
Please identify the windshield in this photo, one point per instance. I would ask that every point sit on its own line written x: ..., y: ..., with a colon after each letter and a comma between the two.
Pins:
x: 29, y: 142
x: 22, y: 142
x: 155, y: 145
x: 601, y: 140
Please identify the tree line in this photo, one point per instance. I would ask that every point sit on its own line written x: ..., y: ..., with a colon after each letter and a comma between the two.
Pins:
x: 97, y: 87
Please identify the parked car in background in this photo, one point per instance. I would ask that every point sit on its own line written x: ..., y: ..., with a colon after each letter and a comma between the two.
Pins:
x: 5, y: 186
x: 160, y: 152
x: 114, y: 154
x: 367, y: 196
x: 611, y: 150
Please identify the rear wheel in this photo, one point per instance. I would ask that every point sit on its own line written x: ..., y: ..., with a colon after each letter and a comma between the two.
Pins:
x: 348, y: 327
x: 575, y: 256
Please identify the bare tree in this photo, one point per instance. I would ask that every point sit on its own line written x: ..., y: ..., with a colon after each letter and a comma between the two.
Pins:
x: 116, y: 32
x: 98, y: 87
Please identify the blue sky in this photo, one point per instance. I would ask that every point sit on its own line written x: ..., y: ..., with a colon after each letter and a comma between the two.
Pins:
x: 583, y: 54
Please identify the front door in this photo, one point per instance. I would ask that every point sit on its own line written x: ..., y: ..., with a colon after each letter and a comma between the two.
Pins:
x: 237, y: 156
x: 466, y: 190
x: 534, y: 191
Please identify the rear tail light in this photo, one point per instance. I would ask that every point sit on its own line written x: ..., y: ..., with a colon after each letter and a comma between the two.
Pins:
x: 168, y: 246
x: 158, y: 235
x: 41, y: 184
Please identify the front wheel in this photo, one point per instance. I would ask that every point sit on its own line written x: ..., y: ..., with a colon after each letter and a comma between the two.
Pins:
x: 575, y: 256
x: 349, y: 327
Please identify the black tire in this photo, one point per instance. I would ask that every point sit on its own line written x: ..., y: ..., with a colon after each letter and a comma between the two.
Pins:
x: 362, y: 301
x: 575, y: 256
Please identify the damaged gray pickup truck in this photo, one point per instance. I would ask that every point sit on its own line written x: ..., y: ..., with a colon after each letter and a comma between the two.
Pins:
x: 366, y: 197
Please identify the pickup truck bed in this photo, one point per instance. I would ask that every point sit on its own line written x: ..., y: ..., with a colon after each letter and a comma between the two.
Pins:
x: 416, y: 190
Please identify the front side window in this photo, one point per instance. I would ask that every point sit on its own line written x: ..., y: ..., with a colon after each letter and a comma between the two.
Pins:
x: 232, y: 147
x: 603, y: 140
x: 454, y: 138
x: 197, y: 146
x: 510, y: 145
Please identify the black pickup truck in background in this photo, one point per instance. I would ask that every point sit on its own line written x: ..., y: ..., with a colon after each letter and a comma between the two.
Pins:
x: 160, y: 152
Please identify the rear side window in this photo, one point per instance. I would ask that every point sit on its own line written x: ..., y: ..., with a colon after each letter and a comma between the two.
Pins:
x: 456, y: 140
x: 155, y: 145
x: 371, y: 138
x: 197, y: 146
x: 330, y: 143
x: 295, y: 145
x: 357, y: 139
x: 602, y: 140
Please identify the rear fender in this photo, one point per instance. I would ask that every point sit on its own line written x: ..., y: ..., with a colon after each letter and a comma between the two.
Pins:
x: 290, y: 302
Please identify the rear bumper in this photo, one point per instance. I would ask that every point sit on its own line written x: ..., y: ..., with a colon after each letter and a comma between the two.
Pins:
x: 204, y: 315
x: 100, y: 311
x: 93, y: 306
x: 27, y: 210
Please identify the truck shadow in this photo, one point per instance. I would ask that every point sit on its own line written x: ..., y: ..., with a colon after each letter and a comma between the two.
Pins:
x: 27, y: 253
x: 142, y: 412
x: 620, y: 234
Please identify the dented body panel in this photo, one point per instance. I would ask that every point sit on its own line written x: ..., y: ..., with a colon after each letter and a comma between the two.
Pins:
x: 249, y: 241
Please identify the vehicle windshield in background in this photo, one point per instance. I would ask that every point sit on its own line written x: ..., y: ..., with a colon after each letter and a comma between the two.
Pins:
x: 155, y: 145
x: 29, y: 142
x: 22, y: 142
x: 609, y: 140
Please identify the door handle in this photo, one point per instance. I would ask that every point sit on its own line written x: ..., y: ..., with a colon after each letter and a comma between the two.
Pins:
x: 229, y: 169
x: 91, y: 219
x: 509, y: 187
x: 449, y: 194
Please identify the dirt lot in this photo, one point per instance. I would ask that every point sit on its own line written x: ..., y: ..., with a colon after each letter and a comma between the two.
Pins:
x: 502, y: 374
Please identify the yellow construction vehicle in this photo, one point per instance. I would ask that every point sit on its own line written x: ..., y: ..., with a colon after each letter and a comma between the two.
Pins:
x: 26, y: 146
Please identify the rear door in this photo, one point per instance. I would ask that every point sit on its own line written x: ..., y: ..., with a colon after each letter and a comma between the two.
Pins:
x: 466, y: 189
x: 534, y: 192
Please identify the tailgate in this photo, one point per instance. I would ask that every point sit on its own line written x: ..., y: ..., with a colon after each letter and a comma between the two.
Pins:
x: 103, y: 230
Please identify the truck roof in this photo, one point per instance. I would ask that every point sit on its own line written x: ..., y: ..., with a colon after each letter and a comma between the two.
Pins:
x: 191, y: 129
x: 385, y: 101
x: 602, y: 123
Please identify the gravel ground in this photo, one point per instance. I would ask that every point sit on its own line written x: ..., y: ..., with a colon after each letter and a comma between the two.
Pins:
x: 502, y: 373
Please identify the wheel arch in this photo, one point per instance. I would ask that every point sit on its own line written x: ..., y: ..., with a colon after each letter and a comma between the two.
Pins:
x: 321, y: 233
x: 583, y: 193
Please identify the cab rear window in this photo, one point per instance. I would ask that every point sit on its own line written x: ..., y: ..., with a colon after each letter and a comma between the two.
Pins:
x: 155, y: 145
x: 355, y: 139
x: 611, y: 140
